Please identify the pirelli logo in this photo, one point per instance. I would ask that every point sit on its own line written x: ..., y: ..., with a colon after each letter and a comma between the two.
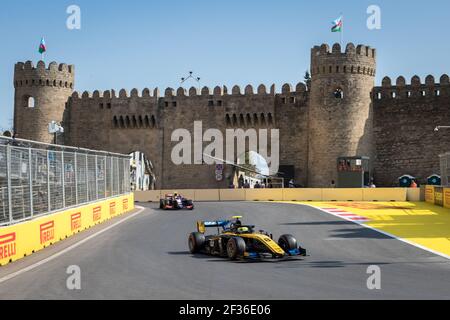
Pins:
x: 7, y: 245
x: 125, y: 204
x: 75, y: 221
x: 97, y: 214
x: 47, y: 231
x: 112, y: 208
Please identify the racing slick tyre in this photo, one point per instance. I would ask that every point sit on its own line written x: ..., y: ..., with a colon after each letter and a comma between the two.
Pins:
x: 161, y: 204
x: 287, y: 242
x: 196, y: 242
x: 235, y: 248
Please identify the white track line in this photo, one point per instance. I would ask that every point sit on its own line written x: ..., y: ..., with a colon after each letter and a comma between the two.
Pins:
x: 75, y: 245
x: 382, y: 232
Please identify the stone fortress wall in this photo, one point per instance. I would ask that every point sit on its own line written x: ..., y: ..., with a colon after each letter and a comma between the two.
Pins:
x: 315, y: 126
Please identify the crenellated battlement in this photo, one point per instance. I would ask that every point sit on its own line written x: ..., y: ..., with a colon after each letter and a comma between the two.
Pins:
x: 111, y: 94
x: 359, y: 59
x: 54, y: 75
x: 193, y: 92
x: 350, y: 51
x: 414, y: 89
x: 236, y: 90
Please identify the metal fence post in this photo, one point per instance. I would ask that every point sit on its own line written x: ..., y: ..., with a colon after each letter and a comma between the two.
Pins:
x: 8, y: 172
x: 118, y: 177
x: 112, y: 176
x: 104, y: 177
x: 48, y: 182
x: 87, y: 178
x: 63, y: 179
x: 96, y: 178
x: 30, y: 181
x: 76, y: 176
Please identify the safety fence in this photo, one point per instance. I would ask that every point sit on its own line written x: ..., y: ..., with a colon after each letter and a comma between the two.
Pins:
x: 37, y: 179
x: 364, y: 194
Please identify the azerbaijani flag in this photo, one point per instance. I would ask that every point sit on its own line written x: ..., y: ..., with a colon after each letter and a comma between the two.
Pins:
x: 337, y: 25
x: 42, y: 47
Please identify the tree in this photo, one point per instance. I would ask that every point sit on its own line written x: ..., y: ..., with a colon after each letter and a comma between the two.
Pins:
x: 7, y: 133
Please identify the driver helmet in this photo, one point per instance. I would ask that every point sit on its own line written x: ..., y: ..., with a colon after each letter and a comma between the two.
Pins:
x: 242, y: 229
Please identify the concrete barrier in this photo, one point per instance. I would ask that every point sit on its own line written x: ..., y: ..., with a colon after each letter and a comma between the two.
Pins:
x: 188, y: 193
x: 366, y: 194
x: 232, y: 194
x: 264, y: 194
x: 413, y: 195
x: 206, y: 195
x: 342, y: 194
x: 147, y: 196
x: 385, y: 194
x: 28, y: 237
x: 302, y: 194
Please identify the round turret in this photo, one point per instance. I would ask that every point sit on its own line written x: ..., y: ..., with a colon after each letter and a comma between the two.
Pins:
x: 340, y: 116
x: 41, y: 95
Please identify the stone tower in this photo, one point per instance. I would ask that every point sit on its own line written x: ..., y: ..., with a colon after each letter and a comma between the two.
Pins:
x: 40, y: 97
x: 340, y: 117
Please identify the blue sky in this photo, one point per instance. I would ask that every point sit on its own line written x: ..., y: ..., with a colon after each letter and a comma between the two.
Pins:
x: 127, y: 44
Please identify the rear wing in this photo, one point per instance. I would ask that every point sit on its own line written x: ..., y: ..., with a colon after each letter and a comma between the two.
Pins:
x: 203, y: 225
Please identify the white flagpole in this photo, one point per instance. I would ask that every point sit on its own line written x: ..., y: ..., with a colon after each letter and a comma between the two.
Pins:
x: 342, y: 29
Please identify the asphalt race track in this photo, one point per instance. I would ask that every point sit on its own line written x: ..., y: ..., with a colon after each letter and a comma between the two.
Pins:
x: 147, y: 257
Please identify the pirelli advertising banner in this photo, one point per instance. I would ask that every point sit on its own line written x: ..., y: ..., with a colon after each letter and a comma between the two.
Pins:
x: 439, y: 196
x: 447, y: 197
x: 429, y: 194
x: 23, y: 239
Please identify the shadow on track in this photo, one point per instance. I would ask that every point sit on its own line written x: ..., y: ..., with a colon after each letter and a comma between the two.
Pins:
x: 225, y: 260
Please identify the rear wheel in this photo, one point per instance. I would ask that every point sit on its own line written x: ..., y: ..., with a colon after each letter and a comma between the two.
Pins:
x: 161, y: 204
x: 235, y: 248
x: 287, y: 242
x: 196, y: 242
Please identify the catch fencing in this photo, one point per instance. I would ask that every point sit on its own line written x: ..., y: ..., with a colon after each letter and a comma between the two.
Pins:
x: 38, y: 179
x: 445, y: 168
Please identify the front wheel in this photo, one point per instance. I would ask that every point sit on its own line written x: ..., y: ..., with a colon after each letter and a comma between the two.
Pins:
x: 235, y: 248
x: 287, y: 242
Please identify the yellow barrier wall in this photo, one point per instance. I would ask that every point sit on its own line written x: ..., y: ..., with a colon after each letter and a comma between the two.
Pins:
x: 302, y: 195
x: 263, y: 194
x: 342, y: 194
x: 232, y: 194
x: 385, y: 194
x: 447, y: 197
x: 429, y: 194
x: 206, y: 195
x: 23, y: 239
